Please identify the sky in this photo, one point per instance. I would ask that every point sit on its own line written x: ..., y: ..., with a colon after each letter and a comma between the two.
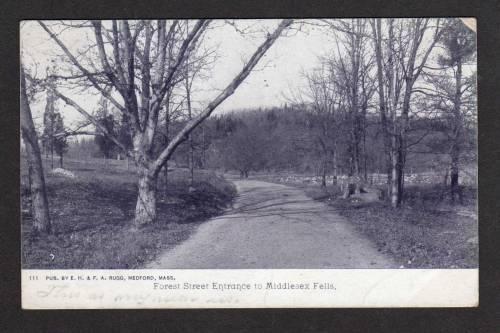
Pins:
x: 278, y: 73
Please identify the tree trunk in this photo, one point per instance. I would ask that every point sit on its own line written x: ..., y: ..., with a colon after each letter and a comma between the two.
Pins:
x: 334, y: 163
x: 203, y: 148
x: 455, y: 151
x: 454, y: 178
x: 191, y: 160
x: 190, y: 117
x: 349, y: 187
x: 400, y: 184
x: 145, y: 209
x: 51, y: 155
x: 365, y: 157
x: 377, y: 33
x: 39, y: 206
x: 394, y: 175
x: 400, y: 172
x: 323, y: 176
x: 165, y: 180
x: 392, y: 138
x: 39, y: 202
x: 167, y: 132
x: 61, y: 161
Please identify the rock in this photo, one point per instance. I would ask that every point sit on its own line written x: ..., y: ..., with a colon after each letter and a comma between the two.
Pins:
x: 366, y: 197
x: 473, y: 240
x: 63, y: 172
x: 467, y: 213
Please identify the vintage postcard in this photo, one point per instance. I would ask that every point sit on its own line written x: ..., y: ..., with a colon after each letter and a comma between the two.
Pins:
x: 249, y: 163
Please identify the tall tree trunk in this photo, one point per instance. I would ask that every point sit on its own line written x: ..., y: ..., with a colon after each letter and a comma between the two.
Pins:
x: 400, y: 173
x: 323, y: 175
x: 334, y: 163
x: 391, y: 104
x: 324, y: 158
x: 145, y: 209
x: 356, y: 131
x: 51, y: 154
x: 365, y: 157
x: 167, y: 139
x: 445, y: 178
x: 203, y: 148
x: 61, y: 160
x: 357, y: 170
x: 377, y: 32
x: 165, y: 179
x: 40, y: 206
x: 455, y: 151
x: 191, y: 160
x: 190, y: 116
x: 394, y: 173
x: 403, y: 134
x: 454, y: 170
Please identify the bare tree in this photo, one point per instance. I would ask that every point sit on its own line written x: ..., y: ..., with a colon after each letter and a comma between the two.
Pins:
x: 352, y: 65
x: 405, y: 45
x: 410, y: 45
x: 196, y: 64
x: 325, y: 101
x: 40, y: 206
x: 133, y: 46
x: 384, y: 121
x: 453, y: 92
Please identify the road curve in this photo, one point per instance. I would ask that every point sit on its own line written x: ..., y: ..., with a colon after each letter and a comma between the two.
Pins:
x: 274, y: 226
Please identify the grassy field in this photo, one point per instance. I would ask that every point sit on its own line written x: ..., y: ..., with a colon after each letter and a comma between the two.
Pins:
x: 92, y: 216
x: 427, y: 232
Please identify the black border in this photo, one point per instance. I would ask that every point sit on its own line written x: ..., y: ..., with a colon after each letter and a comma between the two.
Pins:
x: 485, y: 318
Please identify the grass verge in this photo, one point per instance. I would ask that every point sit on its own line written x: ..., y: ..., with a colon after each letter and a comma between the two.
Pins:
x: 92, y: 218
x: 426, y: 232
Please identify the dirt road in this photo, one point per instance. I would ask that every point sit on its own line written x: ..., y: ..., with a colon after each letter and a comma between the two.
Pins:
x: 274, y: 226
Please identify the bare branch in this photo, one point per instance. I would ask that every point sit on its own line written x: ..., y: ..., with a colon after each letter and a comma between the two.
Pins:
x: 228, y: 91
x: 88, y: 74
x: 89, y: 117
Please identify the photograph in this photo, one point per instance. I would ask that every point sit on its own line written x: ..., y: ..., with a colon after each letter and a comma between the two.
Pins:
x: 266, y: 144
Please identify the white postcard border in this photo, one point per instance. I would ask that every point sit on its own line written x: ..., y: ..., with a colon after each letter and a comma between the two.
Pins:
x: 249, y: 288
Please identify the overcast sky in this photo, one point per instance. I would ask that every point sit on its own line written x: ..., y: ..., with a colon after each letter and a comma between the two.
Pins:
x: 278, y: 72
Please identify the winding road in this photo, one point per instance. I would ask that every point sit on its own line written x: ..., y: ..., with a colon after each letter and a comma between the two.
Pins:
x: 274, y: 226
